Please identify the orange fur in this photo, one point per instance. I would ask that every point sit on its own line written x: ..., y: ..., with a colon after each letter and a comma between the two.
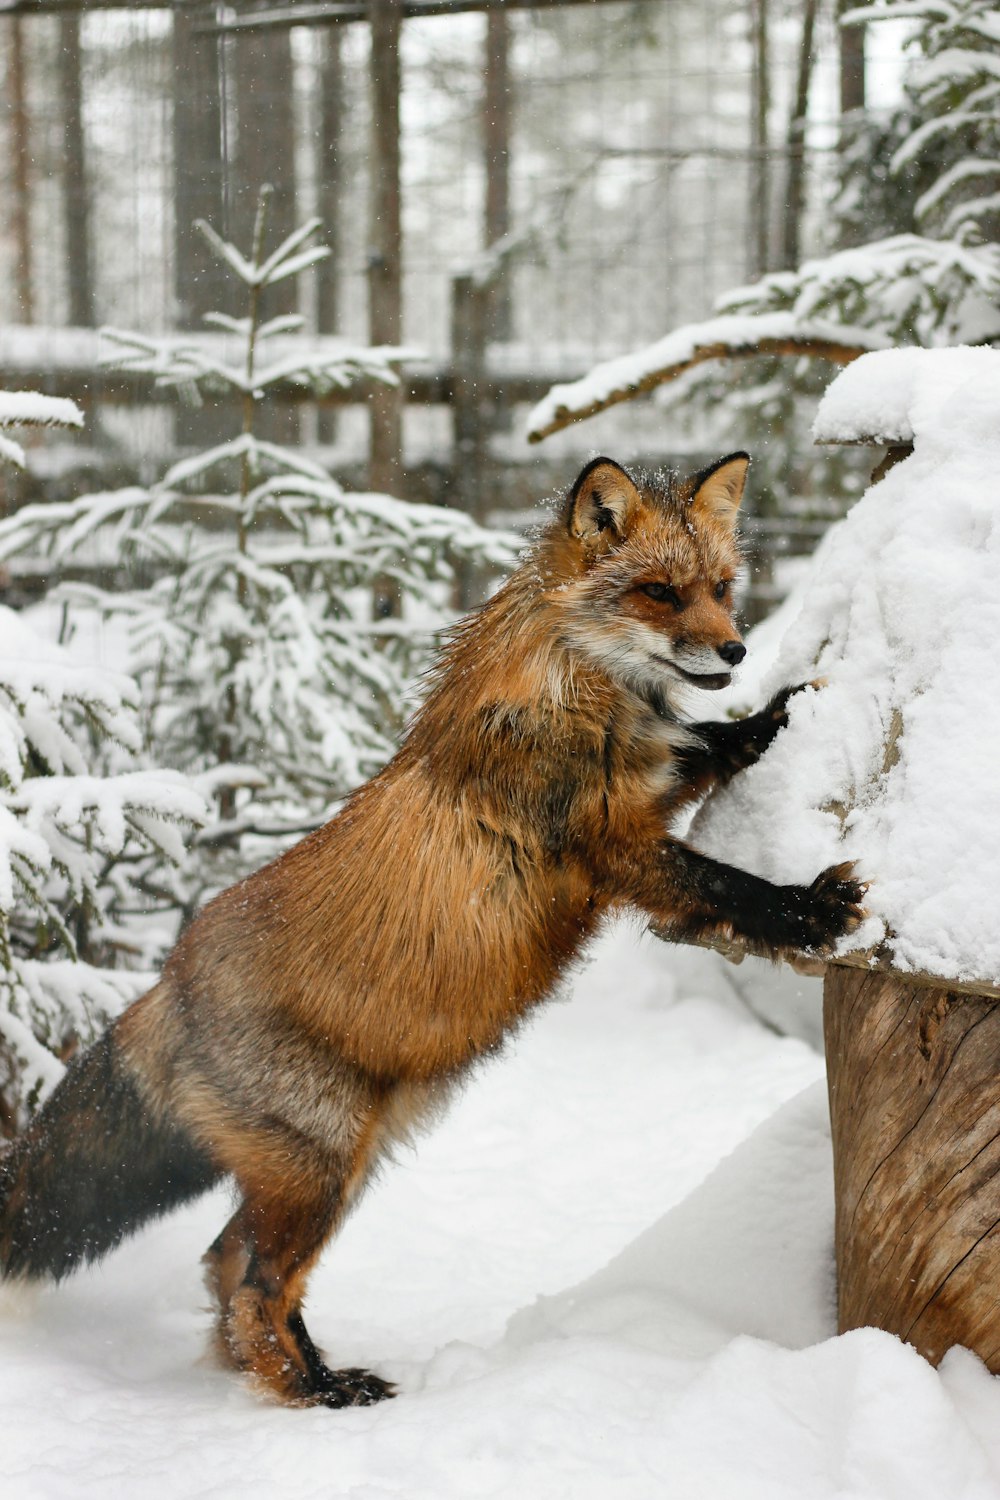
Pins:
x: 323, y: 1007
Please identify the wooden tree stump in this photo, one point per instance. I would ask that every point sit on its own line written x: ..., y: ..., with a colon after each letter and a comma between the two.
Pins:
x: 914, y: 1082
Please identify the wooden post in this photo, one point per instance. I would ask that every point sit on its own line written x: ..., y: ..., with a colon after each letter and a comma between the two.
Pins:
x: 915, y: 1111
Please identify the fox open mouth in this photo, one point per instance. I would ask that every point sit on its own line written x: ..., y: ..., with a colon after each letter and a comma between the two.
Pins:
x: 710, y: 680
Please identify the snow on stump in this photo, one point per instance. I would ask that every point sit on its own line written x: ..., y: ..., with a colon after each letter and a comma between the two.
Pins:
x: 894, y: 764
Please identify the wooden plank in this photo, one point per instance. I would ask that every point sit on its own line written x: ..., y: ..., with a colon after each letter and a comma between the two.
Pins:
x: 338, y: 14
x: 434, y: 386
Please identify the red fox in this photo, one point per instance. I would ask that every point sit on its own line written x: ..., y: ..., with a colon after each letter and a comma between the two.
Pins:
x: 314, y: 1014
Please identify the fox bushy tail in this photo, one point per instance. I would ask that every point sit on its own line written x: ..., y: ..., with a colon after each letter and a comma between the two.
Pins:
x: 95, y: 1163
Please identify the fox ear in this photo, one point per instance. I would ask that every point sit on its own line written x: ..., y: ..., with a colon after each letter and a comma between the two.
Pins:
x: 718, y: 490
x: 603, y: 503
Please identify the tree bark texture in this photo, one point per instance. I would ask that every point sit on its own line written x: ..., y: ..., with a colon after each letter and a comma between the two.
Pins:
x: 795, y: 181
x: 759, y: 226
x: 852, y: 62
x: 262, y: 154
x: 385, y: 259
x: 76, y: 202
x: 21, y: 158
x: 200, y: 279
x: 915, y: 1107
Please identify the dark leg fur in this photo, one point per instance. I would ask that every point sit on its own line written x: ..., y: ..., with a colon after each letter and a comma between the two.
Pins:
x: 696, y: 897
x: 353, y: 1387
x: 257, y: 1268
x: 93, y: 1166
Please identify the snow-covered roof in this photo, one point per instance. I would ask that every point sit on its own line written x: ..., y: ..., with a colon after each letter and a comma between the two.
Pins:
x: 894, y: 762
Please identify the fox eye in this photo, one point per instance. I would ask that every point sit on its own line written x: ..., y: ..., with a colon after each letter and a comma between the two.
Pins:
x: 662, y: 592
x: 720, y: 588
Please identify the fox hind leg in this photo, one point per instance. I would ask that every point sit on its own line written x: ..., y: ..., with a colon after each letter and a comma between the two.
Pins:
x: 258, y: 1268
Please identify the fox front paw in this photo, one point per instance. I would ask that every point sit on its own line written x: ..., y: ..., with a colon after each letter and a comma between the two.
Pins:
x: 830, y: 908
x: 776, y: 712
x: 747, y: 739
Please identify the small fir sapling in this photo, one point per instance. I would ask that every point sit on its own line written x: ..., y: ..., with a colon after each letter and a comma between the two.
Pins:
x: 263, y: 669
x: 78, y: 829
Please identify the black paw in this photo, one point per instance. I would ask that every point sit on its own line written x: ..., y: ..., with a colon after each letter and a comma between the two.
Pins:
x: 338, y: 1388
x: 776, y: 712
x: 750, y: 737
x: 830, y: 908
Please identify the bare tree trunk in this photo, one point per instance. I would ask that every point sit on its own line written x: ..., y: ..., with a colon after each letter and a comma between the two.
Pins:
x: 496, y: 143
x: 915, y: 1110
x: 759, y: 237
x: 469, y: 324
x: 385, y: 258
x: 852, y: 62
x: 21, y: 158
x: 200, y: 282
x: 263, y: 154
x: 75, y: 198
x: 795, y: 181
x: 331, y: 110
x: 262, y: 149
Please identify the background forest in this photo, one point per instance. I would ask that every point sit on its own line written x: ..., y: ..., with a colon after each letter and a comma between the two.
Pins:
x: 302, y: 307
x: 352, y: 256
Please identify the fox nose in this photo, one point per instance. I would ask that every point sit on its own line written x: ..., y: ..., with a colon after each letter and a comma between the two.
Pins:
x: 732, y: 652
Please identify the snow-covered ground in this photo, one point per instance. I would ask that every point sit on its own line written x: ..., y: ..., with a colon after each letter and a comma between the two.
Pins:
x: 607, y: 1273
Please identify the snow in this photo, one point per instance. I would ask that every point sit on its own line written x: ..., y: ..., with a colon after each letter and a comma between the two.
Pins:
x: 735, y: 331
x: 34, y: 409
x: 888, y: 396
x: 607, y: 1273
x: 63, y: 829
x: 893, y: 762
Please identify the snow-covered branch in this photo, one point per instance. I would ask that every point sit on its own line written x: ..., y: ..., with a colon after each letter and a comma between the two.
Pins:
x: 32, y: 409
x: 727, y: 337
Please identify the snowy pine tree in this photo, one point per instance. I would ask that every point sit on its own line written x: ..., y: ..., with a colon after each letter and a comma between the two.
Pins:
x: 262, y: 665
x: 926, y: 180
x: 79, y: 834
x: 954, y: 89
x: 937, y: 281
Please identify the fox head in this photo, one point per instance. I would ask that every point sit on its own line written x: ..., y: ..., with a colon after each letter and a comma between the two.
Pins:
x: 646, y: 567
